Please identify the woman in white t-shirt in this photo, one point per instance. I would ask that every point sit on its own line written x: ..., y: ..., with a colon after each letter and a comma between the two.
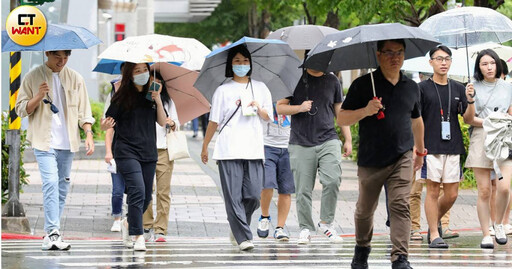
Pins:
x: 238, y: 107
x: 492, y: 95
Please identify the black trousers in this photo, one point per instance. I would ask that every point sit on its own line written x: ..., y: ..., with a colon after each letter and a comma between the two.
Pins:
x: 138, y: 177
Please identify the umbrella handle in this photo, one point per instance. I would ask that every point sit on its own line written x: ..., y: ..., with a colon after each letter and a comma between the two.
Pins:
x: 380, y: 114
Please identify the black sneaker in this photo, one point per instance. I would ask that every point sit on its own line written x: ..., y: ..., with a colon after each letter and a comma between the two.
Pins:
x: 401, y: 263
x: 360, y: 260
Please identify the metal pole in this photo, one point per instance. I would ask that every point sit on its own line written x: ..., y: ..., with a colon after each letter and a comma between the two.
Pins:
x: 13, y: 207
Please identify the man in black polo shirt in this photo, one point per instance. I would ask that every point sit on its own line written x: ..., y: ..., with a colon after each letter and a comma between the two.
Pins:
x: 385, y: 149
x: 315, y: 148
x: 441, y: 101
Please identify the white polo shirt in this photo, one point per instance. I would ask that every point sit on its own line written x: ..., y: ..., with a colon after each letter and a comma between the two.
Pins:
x: 242, y: 138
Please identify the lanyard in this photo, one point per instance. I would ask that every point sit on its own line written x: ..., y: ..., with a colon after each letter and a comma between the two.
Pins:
x: 449, y: 100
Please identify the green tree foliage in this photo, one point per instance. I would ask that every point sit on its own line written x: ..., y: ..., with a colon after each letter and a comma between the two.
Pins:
x: 231, y: 20
x: 226, y: 23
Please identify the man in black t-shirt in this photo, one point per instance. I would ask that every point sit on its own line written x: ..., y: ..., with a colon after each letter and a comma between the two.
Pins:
x: 385, y: 149
x: 441, y: 101
x: 315, y: 147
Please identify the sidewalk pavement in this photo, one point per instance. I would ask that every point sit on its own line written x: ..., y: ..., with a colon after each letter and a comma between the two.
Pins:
x: 197, y: 208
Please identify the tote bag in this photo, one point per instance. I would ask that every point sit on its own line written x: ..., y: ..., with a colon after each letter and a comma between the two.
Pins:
x: 177, y: 145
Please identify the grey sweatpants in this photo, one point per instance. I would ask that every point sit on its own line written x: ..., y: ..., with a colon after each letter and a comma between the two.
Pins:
x: 241, y: 182
x: 306, y: 162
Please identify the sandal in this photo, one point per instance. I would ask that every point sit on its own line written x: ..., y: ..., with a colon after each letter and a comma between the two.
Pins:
x: 416, y: 235
x: 438, y: 243
x: 447, y: 234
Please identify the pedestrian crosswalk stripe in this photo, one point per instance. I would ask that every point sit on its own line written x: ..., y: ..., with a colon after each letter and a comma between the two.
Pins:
x: 251, y: 254
x: 179, y: 253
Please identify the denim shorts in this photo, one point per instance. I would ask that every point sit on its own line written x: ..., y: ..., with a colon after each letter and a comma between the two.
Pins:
x: 278, y: 174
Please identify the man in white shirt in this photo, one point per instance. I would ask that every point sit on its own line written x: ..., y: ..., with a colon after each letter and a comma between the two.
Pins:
x: 55, y: 99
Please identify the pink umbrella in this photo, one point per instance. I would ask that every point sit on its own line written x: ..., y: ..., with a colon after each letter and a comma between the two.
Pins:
x: 179, y: 81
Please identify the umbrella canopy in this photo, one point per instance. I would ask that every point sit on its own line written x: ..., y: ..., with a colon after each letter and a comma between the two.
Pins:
x: 302, y: 37
x: 469, y: 26
x: 58, y: 37
x: 459, y: 60
x: 356, y: 48
x: 113, y: 67
x: 179, y: 81
x: 273, y: 62
x: 158, y: 48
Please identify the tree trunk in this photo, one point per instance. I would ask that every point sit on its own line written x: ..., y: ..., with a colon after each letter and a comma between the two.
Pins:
x: 253, y: 20
x: 264, y: 27
x: 332, y: 19
x: 311, y: 20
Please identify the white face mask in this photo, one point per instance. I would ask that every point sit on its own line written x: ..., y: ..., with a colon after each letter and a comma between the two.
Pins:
x: 141, y: 79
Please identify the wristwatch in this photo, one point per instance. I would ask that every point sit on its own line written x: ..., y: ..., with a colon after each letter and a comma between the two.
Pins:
x: 89, y: 131
x: 422, y: 154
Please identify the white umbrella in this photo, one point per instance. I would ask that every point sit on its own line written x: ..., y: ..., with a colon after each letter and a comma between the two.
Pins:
x: 459, y: 62
x: 158, y: 48
x: 302, y: 37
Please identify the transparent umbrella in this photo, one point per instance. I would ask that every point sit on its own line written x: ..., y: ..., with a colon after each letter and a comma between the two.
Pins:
x: 468, y: 26
x: 459, y: 62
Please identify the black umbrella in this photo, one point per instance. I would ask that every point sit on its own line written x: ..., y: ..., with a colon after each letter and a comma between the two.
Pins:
x: 356, y: 48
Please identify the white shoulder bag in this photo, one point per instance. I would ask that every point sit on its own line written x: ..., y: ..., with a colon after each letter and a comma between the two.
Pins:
x: 177, y: 145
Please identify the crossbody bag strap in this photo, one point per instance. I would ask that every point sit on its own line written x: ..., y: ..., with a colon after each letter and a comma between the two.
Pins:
x: 238, y: 107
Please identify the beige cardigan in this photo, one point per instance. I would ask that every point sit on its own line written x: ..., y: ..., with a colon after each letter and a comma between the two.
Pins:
x: 77, y: 112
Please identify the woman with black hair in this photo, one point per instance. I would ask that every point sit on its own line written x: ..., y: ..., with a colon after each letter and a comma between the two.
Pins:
x: 492, y: 95
x: 133, y: 117
x: 238, y: 107
x: 155, y: 229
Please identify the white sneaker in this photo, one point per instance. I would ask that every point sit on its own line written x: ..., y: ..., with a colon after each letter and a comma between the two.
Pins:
x: 116, y: 226
x: 140, y: 244
x: 149, y: 235
x: 487, y: 242
x: 304, y: 237
x: 127, y: 240
x: 232, y: 239
x: 329, y: 231
x: 263, y: 226
x: 246, y: 245
x: 491, y: 231
x: 53, y: 241
x: 501, y: 237
x: 508, y: 229
x: 280, y: 235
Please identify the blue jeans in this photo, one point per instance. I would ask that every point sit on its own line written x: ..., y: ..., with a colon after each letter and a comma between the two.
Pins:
x: 55, y: 168
x: 117, y: 195
x: 195, y: 125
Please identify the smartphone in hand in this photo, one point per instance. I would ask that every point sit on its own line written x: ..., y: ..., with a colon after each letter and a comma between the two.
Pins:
x: 153, y: 87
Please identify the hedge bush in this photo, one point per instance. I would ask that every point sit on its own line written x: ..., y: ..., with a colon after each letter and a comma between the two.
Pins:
x: 97, y: 113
